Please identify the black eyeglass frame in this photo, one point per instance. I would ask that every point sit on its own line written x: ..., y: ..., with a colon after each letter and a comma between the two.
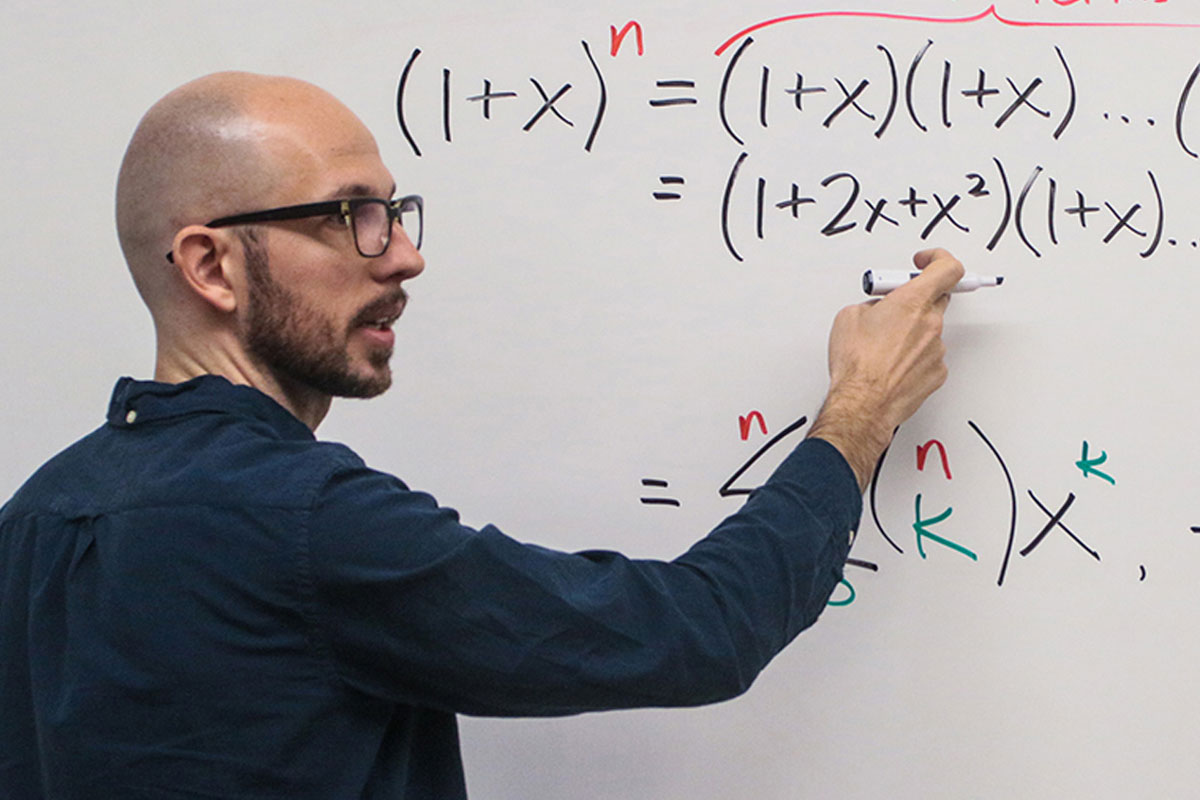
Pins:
x: 345, y: 208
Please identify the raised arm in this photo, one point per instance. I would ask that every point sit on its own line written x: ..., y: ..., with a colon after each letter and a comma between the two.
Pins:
x: 885, y: 357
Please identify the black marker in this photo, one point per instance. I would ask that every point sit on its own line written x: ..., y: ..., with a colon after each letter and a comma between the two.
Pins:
x: 882, y: 282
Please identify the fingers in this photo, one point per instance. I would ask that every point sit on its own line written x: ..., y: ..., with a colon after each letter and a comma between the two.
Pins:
x: 922, y: 258
x: 886, y: 356
x: 940, y: 271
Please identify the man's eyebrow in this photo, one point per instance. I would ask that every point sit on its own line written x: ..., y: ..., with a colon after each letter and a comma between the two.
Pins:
x: 357, y: 190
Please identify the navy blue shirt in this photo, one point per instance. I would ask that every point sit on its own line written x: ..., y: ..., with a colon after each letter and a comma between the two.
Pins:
x: 201, y: 600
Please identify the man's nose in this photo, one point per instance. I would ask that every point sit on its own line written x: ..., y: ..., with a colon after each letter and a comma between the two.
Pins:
x: 401, y: 261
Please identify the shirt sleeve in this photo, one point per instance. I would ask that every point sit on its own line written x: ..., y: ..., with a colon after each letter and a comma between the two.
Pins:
x: 410, y: 605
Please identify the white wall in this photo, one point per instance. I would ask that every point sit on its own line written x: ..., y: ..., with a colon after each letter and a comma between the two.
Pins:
x: 572, y: 335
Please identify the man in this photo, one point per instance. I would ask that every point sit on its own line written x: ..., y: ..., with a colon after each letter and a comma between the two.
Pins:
x: 201, y: 600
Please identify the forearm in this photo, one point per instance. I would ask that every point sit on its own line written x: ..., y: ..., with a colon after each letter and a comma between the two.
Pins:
x: 851, y: 421
x: 416, y: 607
x: 885, y: 358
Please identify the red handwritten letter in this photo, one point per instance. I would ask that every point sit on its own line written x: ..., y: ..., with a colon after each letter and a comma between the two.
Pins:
x: 923, y: 452
x: 745, y: 422
x: 617, y: 38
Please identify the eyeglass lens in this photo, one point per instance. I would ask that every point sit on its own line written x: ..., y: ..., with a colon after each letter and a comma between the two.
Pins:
x: 373, y: 225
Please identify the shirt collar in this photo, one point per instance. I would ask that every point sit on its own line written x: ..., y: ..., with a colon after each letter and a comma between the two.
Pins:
x: 137, y: 402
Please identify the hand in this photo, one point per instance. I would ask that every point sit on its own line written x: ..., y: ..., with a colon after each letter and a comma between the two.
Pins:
x: 885, y: 358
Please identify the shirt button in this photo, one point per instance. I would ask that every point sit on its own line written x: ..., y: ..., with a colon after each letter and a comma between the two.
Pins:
x: 131, y: 417
x: 852, y: 535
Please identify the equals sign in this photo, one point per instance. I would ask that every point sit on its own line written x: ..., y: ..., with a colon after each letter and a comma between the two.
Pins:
x: 674, y: 101
x: 657, y: 501
x: 669, y: 180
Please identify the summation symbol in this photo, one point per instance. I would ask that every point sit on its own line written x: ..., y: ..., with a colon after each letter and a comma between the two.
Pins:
x: 728, y: 489
x: 755, y: 419
x: 657, y: 483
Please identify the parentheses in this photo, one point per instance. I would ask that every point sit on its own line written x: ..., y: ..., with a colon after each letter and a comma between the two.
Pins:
x: 1062, y: 126
x: 1159, y: 228
x: 908, y: 84
x: 725, y: 89
x: 602, y: 105
x: 1012, y: 495
x: 871, y: 496
x: 1021, y: 209
x: 887, y: 119
x: 1182, y: 107
x: 1007, y: 206
x: 400, y: 101
x: 737, y: 165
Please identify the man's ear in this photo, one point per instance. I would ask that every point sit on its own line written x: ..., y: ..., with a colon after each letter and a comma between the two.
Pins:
x: 210, y: 263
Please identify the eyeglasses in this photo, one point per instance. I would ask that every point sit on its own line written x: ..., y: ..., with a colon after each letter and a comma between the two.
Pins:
x: 369, y: 219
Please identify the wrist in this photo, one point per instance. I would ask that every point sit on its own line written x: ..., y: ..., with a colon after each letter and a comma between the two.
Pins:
x: 857, y: 427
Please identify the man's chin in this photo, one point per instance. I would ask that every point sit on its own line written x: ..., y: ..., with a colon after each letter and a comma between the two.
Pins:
x: 360, y: 384
x: 366, y: 387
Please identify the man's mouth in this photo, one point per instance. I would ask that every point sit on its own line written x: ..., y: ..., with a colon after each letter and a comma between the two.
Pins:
x: 382, y: 315
x: 383, y: 323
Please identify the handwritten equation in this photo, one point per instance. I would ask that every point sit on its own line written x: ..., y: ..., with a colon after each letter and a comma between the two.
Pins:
x: 930, y: 528
x: 921, y: 90
x: 947, y: 210
x: 900, y: 89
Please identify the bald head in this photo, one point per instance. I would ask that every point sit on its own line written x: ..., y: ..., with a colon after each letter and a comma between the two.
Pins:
x: 222, y: 144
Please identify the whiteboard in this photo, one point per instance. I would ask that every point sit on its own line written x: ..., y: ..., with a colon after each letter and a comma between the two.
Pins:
x: 1019, y: 620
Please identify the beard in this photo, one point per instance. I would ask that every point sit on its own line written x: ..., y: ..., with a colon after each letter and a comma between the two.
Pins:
x: 297, y: 343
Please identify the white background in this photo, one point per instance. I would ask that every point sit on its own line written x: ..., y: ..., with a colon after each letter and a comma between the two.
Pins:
x: 572, y: 335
